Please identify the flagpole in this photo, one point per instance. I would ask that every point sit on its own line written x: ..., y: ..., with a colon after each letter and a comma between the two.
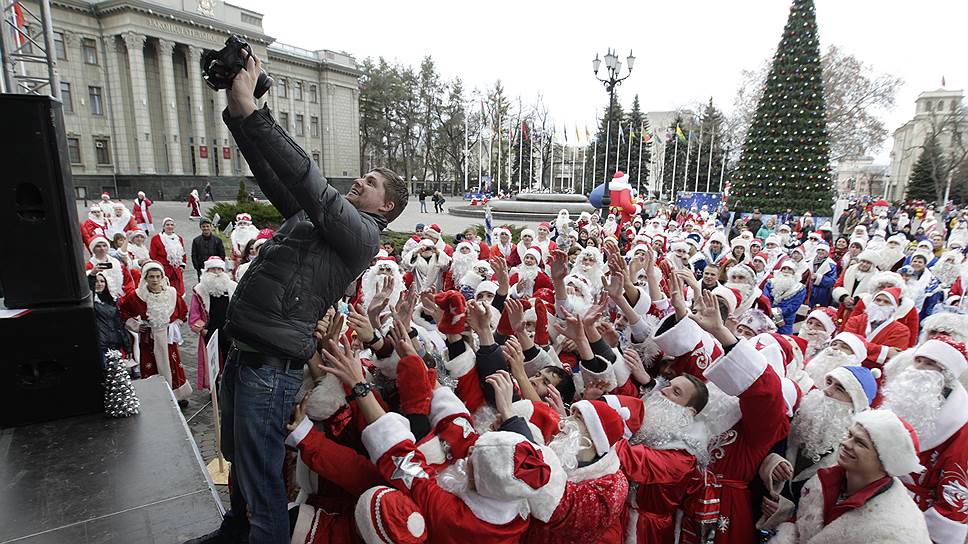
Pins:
x: 675, y: 159
x: 551, y: 181
x: 638, y: 183
x: 500, y: 145
x: 480, y: 151
x: 722, y: 172
x: 709, y: 171
x: 510, y: 147
x: 521, y: 126
x: 685, y: 174
x: 628, y: 158
x: 698, y: 160
x: 608, y: 143
x: 467, y: 151
x: 595, y: 162
x: 531, y: 165
x: 574, y: 154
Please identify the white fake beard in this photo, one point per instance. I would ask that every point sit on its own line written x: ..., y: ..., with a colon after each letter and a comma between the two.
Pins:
x: 160, y: 307
x: 453, y: 479
x: 579, y: 305
x: 890, y: 256
x: 373, y: 284
x: 173, y: 248
x: 825, y: 361
x: 916, y: 396
x: 820, y: 424
x: 242, y: 234
x: 461, y: 263
x: 815, y: 340
x: 527, y: 272
x: 593, y: 273
x: 783, y: 286
x: 471, y: 279
x: 664, y: 423
x: 745, y: 289
x: 215, y: 285
x: 567, y: 443
x: 878, y: 314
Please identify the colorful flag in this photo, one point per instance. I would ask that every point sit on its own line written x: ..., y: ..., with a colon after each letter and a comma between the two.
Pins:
x: 487, y: 223
x: 646, y: 137
x: 588, y: 136
x: 564, y: 131
x: 577, y: 134
x: 621, y: 135
x: 524, y: 130
x: 680, y: 134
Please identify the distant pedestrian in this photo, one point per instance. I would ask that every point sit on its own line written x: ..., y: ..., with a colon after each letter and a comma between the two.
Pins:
x: 195, y: 204
x: 206, y: 245
x: 422, y: 196
x: 208, y: 192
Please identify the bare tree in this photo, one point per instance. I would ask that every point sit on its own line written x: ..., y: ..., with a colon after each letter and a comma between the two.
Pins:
x: 856, y: 97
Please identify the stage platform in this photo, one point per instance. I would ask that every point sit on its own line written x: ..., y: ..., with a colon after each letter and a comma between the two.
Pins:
x: 92, y: 479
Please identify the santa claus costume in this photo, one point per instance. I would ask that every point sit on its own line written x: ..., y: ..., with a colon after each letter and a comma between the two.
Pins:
x: 591, y: 265
x: 461, y: 262
x: 521, y: 248
x: 543, y: 240
x: 95, y: 225
x: 162, y: 312
x: 137, y: 252
x: 206, y: 314
x: 242, y: 233
x: 529, y: 276
x: 194, y: 205
x: 887, y: 334
x: 115, y: 273
x: 879, y: 512
x: 141, y: 213
x: 168, y: 249
x: 120, y: 221
x: 503, y: 246
x: 434, y: 233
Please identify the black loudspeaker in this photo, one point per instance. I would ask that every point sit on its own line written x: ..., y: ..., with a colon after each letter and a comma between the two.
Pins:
x: 51, y: 364
x: 42, y: 260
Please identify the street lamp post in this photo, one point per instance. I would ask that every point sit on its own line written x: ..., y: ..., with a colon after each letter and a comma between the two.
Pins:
x: 614, y: 69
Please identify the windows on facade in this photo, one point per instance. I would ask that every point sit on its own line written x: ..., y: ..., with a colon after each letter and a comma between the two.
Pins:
x: 59, y: 46
x: 316, y: 157
x: 102, y: 150
x: 314, y: 126
x: 313, y: 94
x: 297, y: 90
x: 284, y: 120
x: 300, y: 129
x: 89, y: 49
x: 74, y: 150
x: 94, y: 95
x: 66, y: 97
x: 283, y: 88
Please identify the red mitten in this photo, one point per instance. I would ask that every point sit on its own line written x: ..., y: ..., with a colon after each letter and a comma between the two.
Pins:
x: 504, y: 324
x: 414, y: 386
x: 454, y: 307
x: 541, y: 323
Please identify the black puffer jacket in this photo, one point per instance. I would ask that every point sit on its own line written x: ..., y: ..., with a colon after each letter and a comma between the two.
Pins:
x: 324, y: 244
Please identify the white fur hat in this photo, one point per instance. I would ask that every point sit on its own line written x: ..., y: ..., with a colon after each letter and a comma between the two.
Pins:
x: 896, y: 442
x: 468, y: 245
x: 893, y: 278
x: 856, y: 344
x: 527, y: 232
x: 824, y: 318
x: 860, y: 384
x: 486, y: 287
x: 869, y: 256
x: 508, y: 467
x: 384, y: 514
x: 953, y: 324
x: 97, y: 240
x: 945, y: 351
x: 214, y: 262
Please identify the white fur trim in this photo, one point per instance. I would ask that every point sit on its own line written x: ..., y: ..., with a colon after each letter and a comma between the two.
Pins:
x: 326, y: 398
x: 306, y: 522
x: 416, y: 524
x: 681, y: 338
x: 952, y: 416
x: 299, y: 433
x: 945, y: 355
x: 738, y: 369
x: 825, y: 319
x: 384, y: 433
x: 444, y: 403
x: 856, y: 345
x: 607, y: 375
x: 433, y: 451
x: 850, y: 384
x: 644, y: 303
x: 594, y: 425
x: 462, y: 364
x: 892, y: 440
x: 944, y: 530
x: 620, y: 369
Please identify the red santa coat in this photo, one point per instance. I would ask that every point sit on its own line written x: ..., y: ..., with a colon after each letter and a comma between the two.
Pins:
x: 659, y: 475
x: 906, y: 313
x: 941, y: 491
x: 91, y: 230
x: 737, y: 453
x: 140, y: 211
x: 157, y: 345
x: 594, y: 499
x: 692, y: 348
x: 496, y: 250
x: 542, y: 281
x: 392, y: 449
x: 890, y: 334
x: 157, y: 252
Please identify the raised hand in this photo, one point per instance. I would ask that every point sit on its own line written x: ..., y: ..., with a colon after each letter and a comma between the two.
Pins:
x: 500, y: 267
x: 677, y: 297
x: 478, y: 317
x: 635, y: 364
x: 403, y: 310
x: 594, y: 389
x: 298, y: 413
x: 430, y: 305
x: 361, y: 323
x: 608, y: 333
x: 515, y: 310
x: 503, y: 388
x: 513, y: 353
x: 342, y: 363
x: 558, y: 263
x: 616, y: 284
x: 401, y: 340
x: 554, y: 399
x: 571, y: 328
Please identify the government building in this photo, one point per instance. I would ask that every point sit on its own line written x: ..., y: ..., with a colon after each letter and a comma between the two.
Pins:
x: 139, y: 116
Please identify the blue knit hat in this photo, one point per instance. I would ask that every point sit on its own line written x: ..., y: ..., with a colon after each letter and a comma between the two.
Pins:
x: 859, y: 382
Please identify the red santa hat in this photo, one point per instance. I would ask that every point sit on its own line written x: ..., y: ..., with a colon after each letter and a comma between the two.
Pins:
x: 538, y: 314
x: 508, y: 467
x: 454, y: 307
x: 535, y: 252
x: 580, y: 282
x: 679, y: 246
x: 498, y: 231
x: 894, y: 439
x: 97, y: 240
x: 798, y: 345
x: 264, y: 234
x: 541, y: 417
x: 892, y: 293
x: 432, y: 231
x: 386, y: 515
x: 788, y: 264
x: 544, y: 225
x: 826, y: 316
x: 630, y: 409
x: 214, y: 262
x: 547, y: 295
x: 605, y: 425
x: 243, y: 217
x: 105, y: 194
x: 639, y: 247
x: 148, y: 267
x: 96, y: 209
x: 856, y: 343
x: 791, y: 395
x: 761, y: 257
x: 732, y: 297
x: 945, y: 351
x: 166, y: 220
x: 620, y: 177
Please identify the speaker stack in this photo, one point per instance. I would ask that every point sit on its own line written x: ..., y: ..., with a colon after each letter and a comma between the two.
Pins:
x: 51, y: 363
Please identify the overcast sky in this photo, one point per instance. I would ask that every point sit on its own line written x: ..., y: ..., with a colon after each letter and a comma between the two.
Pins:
x: 686, y: 50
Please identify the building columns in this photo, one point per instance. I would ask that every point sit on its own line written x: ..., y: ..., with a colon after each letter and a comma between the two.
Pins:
x: 170, y: 106
x: 225, y: 167
x: 139, y: 93
x: 115, y: 90
x: 198, y: 112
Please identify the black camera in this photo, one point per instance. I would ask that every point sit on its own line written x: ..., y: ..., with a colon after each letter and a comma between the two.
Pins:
x: 220, y: 67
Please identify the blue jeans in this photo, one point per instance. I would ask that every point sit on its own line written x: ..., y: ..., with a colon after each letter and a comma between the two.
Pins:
x: 256, y: 404
x: 423, y: 206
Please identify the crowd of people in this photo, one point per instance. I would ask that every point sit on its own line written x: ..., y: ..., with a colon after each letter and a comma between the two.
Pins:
x: 682, y: 375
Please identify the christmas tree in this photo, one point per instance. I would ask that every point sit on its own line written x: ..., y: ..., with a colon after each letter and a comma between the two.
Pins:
x: 119, y: 397
x: 605, y: 150
x: 925, y: 183
x: 786, y: 157
x: 630, y: 160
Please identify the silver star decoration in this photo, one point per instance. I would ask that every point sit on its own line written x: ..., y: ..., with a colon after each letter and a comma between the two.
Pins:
x: 464, y: 425
x: 406, y: 469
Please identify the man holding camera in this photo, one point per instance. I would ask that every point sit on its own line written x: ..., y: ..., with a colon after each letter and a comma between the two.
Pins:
x: 326, y: 241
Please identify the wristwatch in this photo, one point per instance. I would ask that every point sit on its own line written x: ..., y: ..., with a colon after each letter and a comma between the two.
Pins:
x: 376, y: 338
x: 360, y: 390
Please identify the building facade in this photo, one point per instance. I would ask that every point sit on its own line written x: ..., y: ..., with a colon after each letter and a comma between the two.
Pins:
x: 139, y: 116
x: 859, y: 176
x: 936, y: 112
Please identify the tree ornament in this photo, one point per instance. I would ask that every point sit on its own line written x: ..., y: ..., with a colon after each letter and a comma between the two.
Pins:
x: 120, y: 399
